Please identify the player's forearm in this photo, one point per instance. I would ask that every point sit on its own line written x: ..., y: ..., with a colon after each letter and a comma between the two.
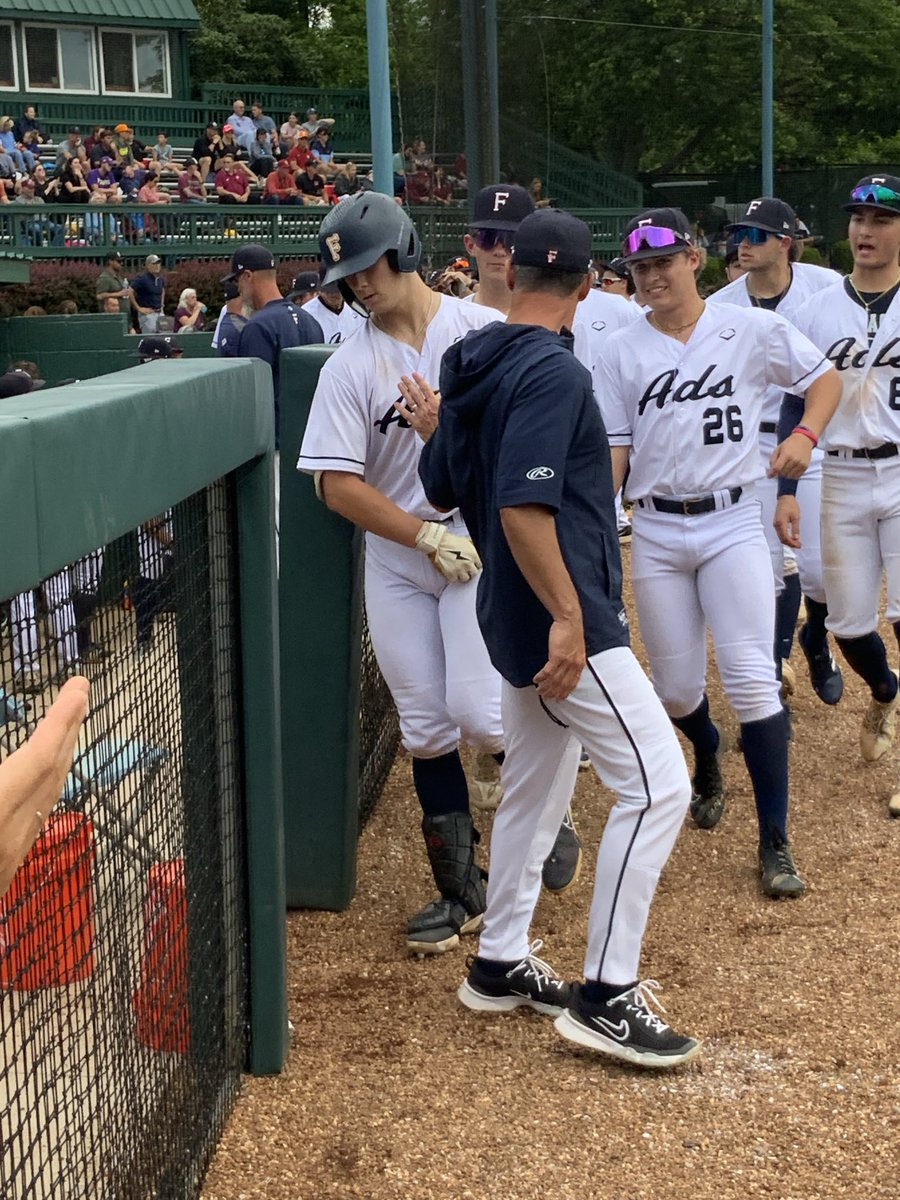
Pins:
x: 365, y: 506
x: 530, y: 530
x: 822, y: 399
x: 620, y: 455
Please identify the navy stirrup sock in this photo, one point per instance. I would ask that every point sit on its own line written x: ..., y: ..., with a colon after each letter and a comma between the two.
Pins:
x: 868, y: 658
x: 441, y: 784
x: 816, y: 633
x: 765, y: 749
x: 787, y: 606
x: 699, y: 729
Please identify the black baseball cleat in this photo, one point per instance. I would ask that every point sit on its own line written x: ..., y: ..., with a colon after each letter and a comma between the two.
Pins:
x: 627, y: 1028
x: 708, y: 799
x: 824, y: 673
x: 531, y: 982
x: 778, y: 872
x: 450, y: 841
x: 562, y: 865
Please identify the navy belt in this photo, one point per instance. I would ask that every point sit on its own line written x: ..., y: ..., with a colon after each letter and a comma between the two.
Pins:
x: 887, y: 450
x: 768, y: 427
x: 689, y: 508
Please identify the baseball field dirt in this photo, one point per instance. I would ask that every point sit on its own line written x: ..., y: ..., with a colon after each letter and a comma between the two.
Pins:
x: 393, y: 1091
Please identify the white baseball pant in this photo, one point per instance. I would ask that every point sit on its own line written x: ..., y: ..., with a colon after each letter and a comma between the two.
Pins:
x: 615, y: 715
x: 809, y: 497
x: 860, y: 541
x: 24, y: 625
x: 430, y: 650
x: 715, y: 569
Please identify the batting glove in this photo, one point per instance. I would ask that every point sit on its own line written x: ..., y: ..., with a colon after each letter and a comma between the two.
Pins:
x: 455, y: 557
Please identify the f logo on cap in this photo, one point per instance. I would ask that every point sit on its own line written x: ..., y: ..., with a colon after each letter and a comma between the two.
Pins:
x: 333, y: 242
x: 552, y: 256
x: 500, y: 199
x: 753, y: 206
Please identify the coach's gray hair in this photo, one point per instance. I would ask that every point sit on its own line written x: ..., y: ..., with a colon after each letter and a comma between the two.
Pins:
x: 557, y: 283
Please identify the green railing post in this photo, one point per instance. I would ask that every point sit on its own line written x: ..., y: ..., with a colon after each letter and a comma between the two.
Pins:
x: 321, y: 636
x: 262, y: 757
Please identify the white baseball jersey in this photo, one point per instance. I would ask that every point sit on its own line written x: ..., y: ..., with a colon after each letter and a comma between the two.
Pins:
x: 336, y: 326
x: 353, y: 425
x: 596, y: 318
x: 807, y: 280
x: 691, y: 412
x: 865, y: 349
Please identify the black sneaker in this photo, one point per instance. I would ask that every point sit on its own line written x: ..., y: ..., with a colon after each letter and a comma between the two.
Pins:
x: 563, y: 864
x: 708, y: 799
x: 627, y: 1028
x: 824, y: 673
x: 531, y: 982
x: 780, y: 877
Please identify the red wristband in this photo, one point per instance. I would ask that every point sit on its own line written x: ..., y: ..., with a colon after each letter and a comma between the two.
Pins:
x: 806, y: 433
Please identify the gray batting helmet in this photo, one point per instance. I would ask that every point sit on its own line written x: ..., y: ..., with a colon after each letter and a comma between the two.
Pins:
x: 356, y: 233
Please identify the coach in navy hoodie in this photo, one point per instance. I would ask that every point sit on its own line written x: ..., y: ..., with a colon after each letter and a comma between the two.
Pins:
x: 520, y: 448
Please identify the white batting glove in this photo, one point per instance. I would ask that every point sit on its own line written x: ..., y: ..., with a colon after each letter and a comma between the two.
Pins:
x: 455, y: 557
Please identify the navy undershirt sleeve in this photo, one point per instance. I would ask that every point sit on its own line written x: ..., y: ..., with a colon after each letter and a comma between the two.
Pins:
x: 789, y: 417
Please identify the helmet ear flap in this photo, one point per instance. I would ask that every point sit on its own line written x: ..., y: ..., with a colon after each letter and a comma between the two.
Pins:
x: 350, y: 298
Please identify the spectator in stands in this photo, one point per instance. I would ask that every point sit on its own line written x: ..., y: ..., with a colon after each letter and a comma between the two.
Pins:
x: 148, y: 294
x: 71, y: 147
x: 190, y: 315
x: 314, y: 122
x: 45, y: 188
x: 74, y: 189
x: 347, y: 182
x: 67, y: 308
x: 418, y: 187
x: 230, y: 145
x: 322, y: 149
x: 262, y: 121
x: 103, y: 183
x: 149, y: 193
x: 112, y: 284
x: 191, y: 189
x: 123, y: 146
x: 31, y: 142
x: 110, y: 306
x: 232, y: 183
x: 290, y: 131
x: 206, y: 148
x: 312, y: 184
x: 37, y: 230
x: 441, y: 187
x: 232, y: 320
x: 300, y: 154
x: 242, y: 125
x: 163, y: 154
x: 92, y: 139
x: 29, y: 123
x: 34, y: 310
x: 262, y: 155
x: 280, y: 186
x: 23, y: 159
x: 130, y: 181
x: 103, y: 147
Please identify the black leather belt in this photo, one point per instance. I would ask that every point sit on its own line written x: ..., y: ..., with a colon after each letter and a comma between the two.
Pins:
x: 768, y: 427
x: 887, y: 450
x: 689, y: 508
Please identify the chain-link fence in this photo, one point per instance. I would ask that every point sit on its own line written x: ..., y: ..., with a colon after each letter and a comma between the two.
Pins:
x: 123, y: 936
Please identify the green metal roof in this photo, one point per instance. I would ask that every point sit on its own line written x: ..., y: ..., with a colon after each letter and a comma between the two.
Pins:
x: 139, y: 12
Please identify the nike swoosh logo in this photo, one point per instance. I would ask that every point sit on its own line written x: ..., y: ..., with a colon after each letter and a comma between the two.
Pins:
x: 619, y: 1032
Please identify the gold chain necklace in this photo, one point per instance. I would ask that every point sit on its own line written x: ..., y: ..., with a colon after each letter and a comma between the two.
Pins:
x: 679, y: 328
x: 867, y: 304
x: 432, y: 308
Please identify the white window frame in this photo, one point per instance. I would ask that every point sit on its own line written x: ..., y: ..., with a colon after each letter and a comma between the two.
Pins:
x: 62, y: 90
x: 166, y: 95
x: 10, y: 25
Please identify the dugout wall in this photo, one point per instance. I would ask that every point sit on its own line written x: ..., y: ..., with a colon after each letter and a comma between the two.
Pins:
x: 142, y: 945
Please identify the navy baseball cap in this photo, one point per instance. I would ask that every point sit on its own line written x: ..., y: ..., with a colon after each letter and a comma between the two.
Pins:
x: 306, y: 281
x: 18, y: 383
x: 157, y: 347
x: 230, y: 289
x: 654, y: 233
x: 879, y: 192
x: 501, y: 206
x: 768, y: 213
x: 252, y: 257
x: 554, y: 240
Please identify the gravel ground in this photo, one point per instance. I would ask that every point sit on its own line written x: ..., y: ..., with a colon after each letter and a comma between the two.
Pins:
x: 393, y: 1091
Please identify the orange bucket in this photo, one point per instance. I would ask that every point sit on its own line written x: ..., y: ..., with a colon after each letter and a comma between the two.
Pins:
x: 47, y: 915
x: 161, y: 1001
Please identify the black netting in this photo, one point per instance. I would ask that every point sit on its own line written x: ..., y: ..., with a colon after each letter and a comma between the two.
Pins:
x: 379, y: 733
x: 123, y: 936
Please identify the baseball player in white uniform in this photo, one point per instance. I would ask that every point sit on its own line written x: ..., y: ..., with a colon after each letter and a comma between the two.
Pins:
x: 772, y: 280
x: 337, y: 319
x: 521, y: 447
x: 682, y: 393
x: 421, y: 566
x: 856, y: 324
